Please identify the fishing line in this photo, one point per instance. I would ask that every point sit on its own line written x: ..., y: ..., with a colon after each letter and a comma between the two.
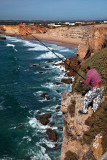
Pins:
x: 53, y: 53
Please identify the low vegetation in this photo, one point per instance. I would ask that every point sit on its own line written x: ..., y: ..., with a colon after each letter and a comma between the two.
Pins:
x: 98, y: 120
x: 70, y: 156
x: 98, y: 124
x: 99, y: 62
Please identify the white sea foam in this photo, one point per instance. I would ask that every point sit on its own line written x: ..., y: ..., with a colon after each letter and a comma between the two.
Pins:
x: 61, y: 68
x: 65, y: 50
x: 14, y: 39
x: 37, y: 93
x: 49, y: 55
x: 11, y: 45
x: 43, y: 100
x: 49, y: 85
x: 27, y: 138
x: 13, y: 127
x: 63, y: 86
x: 49, y: 144
x: 38, y: 48
x: 38, y: 126
x: 41, y: 154
x: 56, y: 47
x: 50, y: 108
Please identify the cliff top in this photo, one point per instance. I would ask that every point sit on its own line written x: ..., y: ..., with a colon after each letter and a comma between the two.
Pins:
x: 99, y: 62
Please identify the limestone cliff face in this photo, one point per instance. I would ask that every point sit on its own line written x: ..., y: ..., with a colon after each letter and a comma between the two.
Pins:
x: 88, y: 39
x: 22, y: 29
x: 73, y: 131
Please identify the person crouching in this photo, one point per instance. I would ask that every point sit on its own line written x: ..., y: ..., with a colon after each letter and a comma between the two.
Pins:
x: 95, y: 94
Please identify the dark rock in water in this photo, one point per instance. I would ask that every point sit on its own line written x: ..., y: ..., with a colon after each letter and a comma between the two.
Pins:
x: 21, y: 126
x: 62, y: 64
x: 57, y: 91
x: 51, y: 124
x: 50, y: 61
x: 58, y: 108
x: 44, y: 119
x: 39, y: 112
x: 60, y: 128
x: 52, y: 135
x: 57, y: 83
x: 2, y: 38
x: 46, y: 66
x: 34, y: 65
x: 40, y: 72
x: 45, y: 96
x: 67, y: 81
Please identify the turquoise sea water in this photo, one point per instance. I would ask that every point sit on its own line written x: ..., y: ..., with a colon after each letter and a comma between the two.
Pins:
x: 22, y: 137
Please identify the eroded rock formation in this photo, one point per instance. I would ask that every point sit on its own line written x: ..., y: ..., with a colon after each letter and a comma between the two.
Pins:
x: 88, y: 39
x: 75, y: 130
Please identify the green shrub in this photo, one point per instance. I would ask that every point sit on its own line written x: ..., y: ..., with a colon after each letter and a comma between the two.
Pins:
x: 70, y: 156
x: 99, y: 62
x: 98, y: 124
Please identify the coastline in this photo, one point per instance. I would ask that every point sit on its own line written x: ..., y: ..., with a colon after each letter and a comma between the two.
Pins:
x: 68, y: 42
x: 61, y: 40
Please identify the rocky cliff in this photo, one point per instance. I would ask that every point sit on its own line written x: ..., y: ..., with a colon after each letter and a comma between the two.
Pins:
x: 85, y: 136
x: 88, y: 39
x: 21, y: 29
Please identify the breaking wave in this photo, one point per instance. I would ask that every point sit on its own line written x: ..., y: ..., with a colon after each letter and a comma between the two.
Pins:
x: 11, y: 45
x: 49, y: 55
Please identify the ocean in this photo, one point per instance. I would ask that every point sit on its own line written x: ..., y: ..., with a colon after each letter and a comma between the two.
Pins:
x: 27, y: 70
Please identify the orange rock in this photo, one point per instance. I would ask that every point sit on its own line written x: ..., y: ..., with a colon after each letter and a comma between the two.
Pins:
x: 97, y: 147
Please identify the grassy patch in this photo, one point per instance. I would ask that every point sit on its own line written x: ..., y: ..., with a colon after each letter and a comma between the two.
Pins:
x: 70, y: 156
x: 98, y: 124
x: 99, y: 62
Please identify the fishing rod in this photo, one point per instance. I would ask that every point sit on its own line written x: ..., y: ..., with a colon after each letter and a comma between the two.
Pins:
x: 53, y: 52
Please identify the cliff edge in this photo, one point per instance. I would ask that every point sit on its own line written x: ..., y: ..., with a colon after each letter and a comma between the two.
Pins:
x: 87, y: 39
x: 85, y: 136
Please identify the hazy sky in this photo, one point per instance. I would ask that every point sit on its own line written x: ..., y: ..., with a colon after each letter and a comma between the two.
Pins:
x: 53, y: 9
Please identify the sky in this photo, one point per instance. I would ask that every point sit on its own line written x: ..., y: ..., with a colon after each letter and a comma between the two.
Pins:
x: 53, y: 9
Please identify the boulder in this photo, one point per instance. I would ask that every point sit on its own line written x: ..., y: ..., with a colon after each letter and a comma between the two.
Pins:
x: 57, y: 91
x: 57, y: 83
x: 46, y: 66
x: 40, y: 72
x: 50, y: 61
x: 67, y: 81
x: 2, y: 38
x: 74, y: 63
x: 52, y: 135
x: 45, y: 96
x: 34, y: 65
x: 60, y: 128
x: 44, y: 119
x: 57, y: 108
